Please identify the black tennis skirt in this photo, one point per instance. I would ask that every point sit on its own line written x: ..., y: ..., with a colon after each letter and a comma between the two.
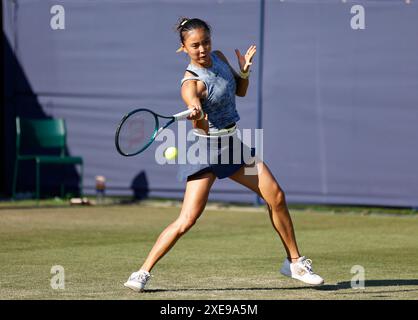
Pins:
x: 224, y: 156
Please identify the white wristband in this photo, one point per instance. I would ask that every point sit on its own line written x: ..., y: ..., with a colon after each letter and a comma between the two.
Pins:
x: 244, y: 75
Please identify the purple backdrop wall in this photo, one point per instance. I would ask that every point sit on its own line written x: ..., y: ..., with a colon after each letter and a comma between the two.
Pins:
x: 340, y: 105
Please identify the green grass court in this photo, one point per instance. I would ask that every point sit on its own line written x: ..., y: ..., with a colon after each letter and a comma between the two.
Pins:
x: 231, y: 253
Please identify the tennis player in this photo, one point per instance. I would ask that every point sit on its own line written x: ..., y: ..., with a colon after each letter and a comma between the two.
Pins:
x: 211, y: 84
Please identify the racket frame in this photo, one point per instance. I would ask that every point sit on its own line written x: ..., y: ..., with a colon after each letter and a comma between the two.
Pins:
x: 157, y: 129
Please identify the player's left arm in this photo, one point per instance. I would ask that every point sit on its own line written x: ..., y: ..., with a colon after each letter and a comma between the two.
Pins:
x: 244, y: 65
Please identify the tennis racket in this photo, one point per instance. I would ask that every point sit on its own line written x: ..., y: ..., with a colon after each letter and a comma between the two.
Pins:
x: 139, y: 128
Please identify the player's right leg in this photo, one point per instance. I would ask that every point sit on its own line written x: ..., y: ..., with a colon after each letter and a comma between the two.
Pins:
x: 194, y: 202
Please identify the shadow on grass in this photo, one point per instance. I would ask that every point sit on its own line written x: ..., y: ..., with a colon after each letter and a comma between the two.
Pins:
x: 327, y: 287
x: 368, y: 283
x: 223, y: 289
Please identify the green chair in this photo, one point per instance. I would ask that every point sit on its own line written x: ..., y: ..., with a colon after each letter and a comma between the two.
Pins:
x: 43, y: 134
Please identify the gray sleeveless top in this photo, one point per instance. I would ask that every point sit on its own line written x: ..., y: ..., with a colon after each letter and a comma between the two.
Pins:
x: 220, y: 85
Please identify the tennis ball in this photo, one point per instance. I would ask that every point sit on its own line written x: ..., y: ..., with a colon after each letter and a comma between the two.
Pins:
x: 170, y: 153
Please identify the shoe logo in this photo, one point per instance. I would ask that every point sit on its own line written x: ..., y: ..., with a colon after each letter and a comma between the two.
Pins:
x: 300, y: 271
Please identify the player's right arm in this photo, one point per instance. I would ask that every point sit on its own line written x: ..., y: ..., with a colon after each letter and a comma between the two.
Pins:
x: 192, y: 91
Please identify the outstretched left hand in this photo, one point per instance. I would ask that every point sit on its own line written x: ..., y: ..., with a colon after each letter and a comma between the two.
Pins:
x: 245, y: 61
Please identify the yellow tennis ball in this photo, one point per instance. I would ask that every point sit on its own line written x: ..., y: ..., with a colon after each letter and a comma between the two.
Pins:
x: 170, y: 153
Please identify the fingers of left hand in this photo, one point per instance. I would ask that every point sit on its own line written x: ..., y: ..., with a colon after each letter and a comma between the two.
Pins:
x: 252, y: 48
x: 251, y: 52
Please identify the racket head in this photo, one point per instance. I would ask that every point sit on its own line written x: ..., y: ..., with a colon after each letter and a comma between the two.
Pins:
x: 136, y: 131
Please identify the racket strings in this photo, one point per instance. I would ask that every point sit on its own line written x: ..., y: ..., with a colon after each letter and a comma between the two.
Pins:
x: 137, y: 132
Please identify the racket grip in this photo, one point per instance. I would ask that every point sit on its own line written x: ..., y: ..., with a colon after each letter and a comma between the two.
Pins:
x: 182, y: 115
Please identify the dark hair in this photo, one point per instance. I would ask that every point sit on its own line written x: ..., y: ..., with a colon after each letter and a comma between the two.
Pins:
x: 186, y: 24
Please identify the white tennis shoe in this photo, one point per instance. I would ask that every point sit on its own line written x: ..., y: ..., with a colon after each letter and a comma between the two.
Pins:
x: 138, y: 280
x: 301, y: 270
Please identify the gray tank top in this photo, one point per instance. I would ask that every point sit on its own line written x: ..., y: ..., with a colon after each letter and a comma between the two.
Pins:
x: 220, y: 85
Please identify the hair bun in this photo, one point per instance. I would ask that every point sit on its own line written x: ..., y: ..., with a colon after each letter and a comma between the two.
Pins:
x: 186, y: 24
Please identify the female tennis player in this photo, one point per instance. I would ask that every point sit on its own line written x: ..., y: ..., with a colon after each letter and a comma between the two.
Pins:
x: 211, y: 84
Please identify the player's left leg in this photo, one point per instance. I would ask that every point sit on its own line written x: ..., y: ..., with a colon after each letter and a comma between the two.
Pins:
x: 260, y: 180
